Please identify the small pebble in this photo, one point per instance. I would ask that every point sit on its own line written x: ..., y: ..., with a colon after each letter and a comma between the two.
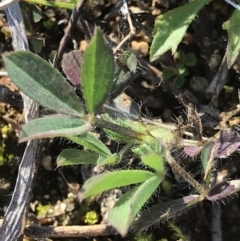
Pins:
x: 198, y: 84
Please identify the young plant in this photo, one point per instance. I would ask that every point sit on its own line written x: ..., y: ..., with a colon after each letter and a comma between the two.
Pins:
x: 151, y: 143
x: 171, y: 27
x: 47, y: 86
x: 179, y: 71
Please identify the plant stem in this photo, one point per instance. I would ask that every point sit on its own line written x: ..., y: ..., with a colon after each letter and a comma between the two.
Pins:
x: 181, y: 172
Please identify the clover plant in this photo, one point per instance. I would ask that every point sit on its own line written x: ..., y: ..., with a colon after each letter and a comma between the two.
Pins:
x: 179, y: 71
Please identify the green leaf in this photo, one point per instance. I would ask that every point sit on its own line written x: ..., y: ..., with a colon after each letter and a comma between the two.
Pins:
x: 121, y: 81
x: 53, y: 126
x: 114, y: 158
x: 182, y: 70
x: 107, y: 181
x: 155, y: 161
x: 110, y: 160
x: 127, y: 123
x: 37, y: 44
x: 233, y: 46
x: 165, y: 211
x: 97, y: 72
x: 145, y: 148
x: 37, y: 79
x: 168, y: 73
x: 205, y: 154
x: 118, y: 137
x: 132, y: 61
x: 208, y: 154
x: 190, y: 59
x: 124, y: 73
x: 89, y: 141
x: 27, y: 18
x: 171, y: 27
x: 180, y: 56
x: 49, y: 24
x: 36, y: 13
x: 179, y: 81
x: 166, y: 136
x: 127, y: 207
x: 69, y: 157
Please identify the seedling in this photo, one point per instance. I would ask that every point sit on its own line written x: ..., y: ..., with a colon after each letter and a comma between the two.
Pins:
x: 91, y: 218
x: 151, y: 143
x: 179, y: 71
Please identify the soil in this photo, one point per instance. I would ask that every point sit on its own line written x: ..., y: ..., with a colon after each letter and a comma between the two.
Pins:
x: 54, y: 200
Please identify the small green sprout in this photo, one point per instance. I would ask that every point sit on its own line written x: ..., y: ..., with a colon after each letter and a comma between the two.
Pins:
x: 1, y: 154
x: 180, y: 71
x: 6, y: 131
x: 228, y: 89
x: 91, y: 218
x: 42, y: 210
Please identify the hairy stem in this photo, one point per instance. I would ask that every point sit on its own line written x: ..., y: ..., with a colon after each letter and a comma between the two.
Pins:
x: 181, y: 172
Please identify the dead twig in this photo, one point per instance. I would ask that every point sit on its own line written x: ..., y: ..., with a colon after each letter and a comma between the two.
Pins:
x: 125, y: 11
x: 36, y: 231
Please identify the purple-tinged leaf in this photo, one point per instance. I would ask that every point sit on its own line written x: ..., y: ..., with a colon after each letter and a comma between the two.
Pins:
x: 71, y: 65
x: 192, y: 151
x: 223, y: 190
x: 227, y: 142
